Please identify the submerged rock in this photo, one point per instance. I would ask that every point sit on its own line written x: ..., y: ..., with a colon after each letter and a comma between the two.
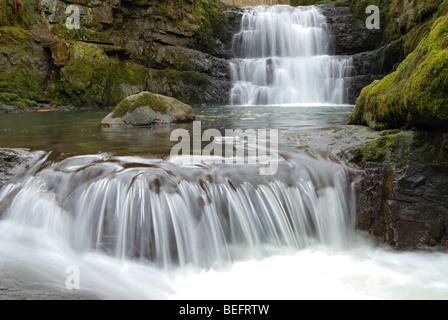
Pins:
x: 148, y: 109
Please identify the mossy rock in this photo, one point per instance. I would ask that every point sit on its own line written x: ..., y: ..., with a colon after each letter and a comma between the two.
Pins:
x: 90, y: 77
x: 413, y: 95
x: 24, y: 67
x: 373, y: 151
x: 84, y: 77
x: 10, y: 102
x: 148, y: 109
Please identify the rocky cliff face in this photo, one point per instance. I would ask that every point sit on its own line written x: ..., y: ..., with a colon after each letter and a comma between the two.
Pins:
x: 175, y: 47
x: 403, y: 199
x: 414, y: 94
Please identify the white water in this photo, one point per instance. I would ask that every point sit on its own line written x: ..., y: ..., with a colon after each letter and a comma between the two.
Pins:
x: 283, y: 58
x: 149, y: 229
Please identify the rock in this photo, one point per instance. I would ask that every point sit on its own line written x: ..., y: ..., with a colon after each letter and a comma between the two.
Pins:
x: 402, y: 196
x: 93, y: 75
x: 401, y: 180
x: 349, y: 35
x: 185, y: 59
x: 192, y: 87
x: 148, y: 109
x: 84, y: 77
x: 415, y: 94
x: 24, y: 67
x: 12, y: 103
x: 14, y: 162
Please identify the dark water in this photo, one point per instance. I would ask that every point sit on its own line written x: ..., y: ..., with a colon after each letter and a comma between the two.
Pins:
x: 74, y: 133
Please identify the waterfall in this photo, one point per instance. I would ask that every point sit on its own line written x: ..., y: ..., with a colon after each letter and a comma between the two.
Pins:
x: 153, y: 210
x: 282, y: 58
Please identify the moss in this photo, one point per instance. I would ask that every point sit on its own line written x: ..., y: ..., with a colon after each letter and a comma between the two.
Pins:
x: 179, y: 60
x: 209, y: 16
x: 373, y: 151
x: 92, y: 75
x: 24, y: 68
x: 12, y: 99
x: 143, y: 99
x: 10, y: 34
x: 60, y: 53
x: 415, y: 94
x: 186, y: 86
x: 188, y: 77
x: 123, y: 72
x: 84, y: 77
x: 14, y: 13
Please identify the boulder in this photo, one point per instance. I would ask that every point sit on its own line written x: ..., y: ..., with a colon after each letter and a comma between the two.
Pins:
x: 415, y: 94
x: 148, y: 109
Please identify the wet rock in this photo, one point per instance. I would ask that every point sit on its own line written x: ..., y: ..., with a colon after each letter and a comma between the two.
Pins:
x: 403, y: 197
x: 401, y: 177
x: 148, y: 109
x: 13, y: 162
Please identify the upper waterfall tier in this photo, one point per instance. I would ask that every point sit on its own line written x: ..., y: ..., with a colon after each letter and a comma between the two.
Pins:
x: 283, y: 58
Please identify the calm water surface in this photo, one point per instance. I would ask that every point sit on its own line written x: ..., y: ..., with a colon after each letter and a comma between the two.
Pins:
x: 73, y: 133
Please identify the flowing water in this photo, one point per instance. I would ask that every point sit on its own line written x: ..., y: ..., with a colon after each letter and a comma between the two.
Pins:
x: 143, y: 227
x: 283, y: 57
x: 137, y: 223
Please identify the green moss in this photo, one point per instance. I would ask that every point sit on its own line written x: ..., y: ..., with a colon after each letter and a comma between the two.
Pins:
x: 373, y: 151
x: 415, y: 94
x: 92, y: 75
x: 124, y: 11
x: 12, y: 99
x: 10, y: 34
x: 188, y: 77
x: 144, y: 99
x: 23, y: 69
x: 14, y: 13
x: 209, y: 16
x: 84, y: 77
x: 186, y: 86
x: 179, y: 60
x: 123, y: 73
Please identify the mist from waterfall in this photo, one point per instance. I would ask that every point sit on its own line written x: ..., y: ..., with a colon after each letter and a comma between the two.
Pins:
x: 283, y: 58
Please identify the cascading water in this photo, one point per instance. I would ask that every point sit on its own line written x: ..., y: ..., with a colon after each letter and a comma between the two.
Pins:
x: 282, y: 58
x: 143, y: 228
x: 173, y: 217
